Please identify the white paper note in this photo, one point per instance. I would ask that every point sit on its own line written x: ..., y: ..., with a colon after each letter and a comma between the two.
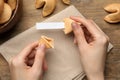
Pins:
x: 50, y: 25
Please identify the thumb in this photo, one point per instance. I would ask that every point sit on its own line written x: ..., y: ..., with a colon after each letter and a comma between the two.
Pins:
x: 39, y: 57
x: 79, y: 34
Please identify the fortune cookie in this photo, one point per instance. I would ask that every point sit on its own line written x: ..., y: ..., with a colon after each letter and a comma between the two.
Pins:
x: 12, y: 4
x: 7, y: 12
x: 114, y: 10
x: 48, y: 6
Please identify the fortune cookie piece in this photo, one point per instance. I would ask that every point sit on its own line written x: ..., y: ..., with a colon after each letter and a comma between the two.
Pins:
x: 49, y: 42
x: 68, y: 25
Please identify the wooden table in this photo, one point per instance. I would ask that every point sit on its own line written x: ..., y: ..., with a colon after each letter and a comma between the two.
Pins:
x: 92, y: 9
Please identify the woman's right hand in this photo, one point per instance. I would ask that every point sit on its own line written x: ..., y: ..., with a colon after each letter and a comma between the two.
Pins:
x: 92, y: 43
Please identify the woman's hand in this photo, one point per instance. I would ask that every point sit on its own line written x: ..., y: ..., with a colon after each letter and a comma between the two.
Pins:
x: 93, y: 44
x: 29, y: 64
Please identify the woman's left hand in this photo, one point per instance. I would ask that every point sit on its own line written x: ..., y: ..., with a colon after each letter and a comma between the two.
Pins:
x: 29, y: 64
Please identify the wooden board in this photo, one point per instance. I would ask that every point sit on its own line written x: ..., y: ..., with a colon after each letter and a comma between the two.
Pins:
x: 92, y: 9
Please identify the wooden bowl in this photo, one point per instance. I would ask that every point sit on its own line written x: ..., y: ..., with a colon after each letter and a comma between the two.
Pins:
x: 14, y: 18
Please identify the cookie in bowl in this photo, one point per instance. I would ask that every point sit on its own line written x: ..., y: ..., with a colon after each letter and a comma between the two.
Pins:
x: 10, y: 14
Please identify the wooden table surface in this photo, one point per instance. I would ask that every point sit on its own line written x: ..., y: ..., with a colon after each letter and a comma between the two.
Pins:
x: 92, y: 9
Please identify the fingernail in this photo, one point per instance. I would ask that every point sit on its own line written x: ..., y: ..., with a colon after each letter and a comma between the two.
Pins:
x: 74, y: 25
x: 42, y: 46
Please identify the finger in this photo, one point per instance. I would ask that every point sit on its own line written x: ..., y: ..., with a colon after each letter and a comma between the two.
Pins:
x: 26, y: 51
x: 45, y: 67
x: 79, y: 34
x: 90, y: 27
x: 39, y: 57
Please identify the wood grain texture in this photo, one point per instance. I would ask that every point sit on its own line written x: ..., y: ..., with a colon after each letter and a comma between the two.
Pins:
x: 92, y: 9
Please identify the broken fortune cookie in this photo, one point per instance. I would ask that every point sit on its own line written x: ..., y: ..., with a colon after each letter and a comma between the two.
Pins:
x: 49, y: 42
